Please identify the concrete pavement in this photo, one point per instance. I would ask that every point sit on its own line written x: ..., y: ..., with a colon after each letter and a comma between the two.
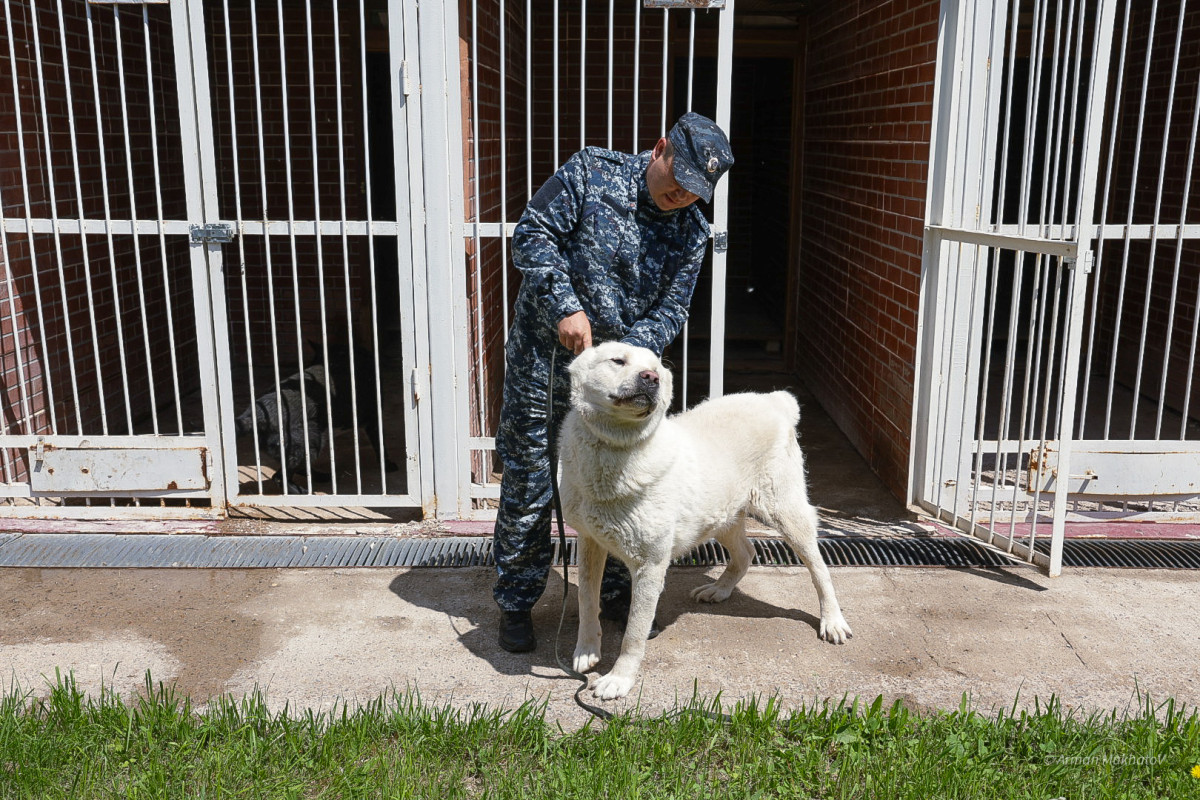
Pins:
x: 311, y: 637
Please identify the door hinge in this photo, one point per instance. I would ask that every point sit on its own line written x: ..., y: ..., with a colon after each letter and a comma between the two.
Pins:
x: 416, y: 388
x: 405, y: 79
x: 720, y: 241
x: 212, y: 233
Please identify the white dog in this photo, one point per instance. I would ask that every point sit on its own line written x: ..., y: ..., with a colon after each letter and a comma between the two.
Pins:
x: 648, y: 488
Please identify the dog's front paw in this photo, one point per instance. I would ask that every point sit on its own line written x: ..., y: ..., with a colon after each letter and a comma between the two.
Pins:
x: 711, y: 593
x: 612, y: 686
x: 835, y: 629
x: 587, y: 656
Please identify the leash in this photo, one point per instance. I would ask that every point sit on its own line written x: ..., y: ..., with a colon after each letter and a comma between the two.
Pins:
x: 552, y: 442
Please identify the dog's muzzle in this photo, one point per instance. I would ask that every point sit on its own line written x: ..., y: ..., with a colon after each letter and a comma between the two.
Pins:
x: 642, y: 392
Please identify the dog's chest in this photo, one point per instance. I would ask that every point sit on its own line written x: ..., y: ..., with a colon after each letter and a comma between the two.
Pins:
x: 626, y: 516
x: 624, y: 526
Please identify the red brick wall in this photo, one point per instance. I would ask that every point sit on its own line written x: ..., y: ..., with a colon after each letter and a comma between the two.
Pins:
x: 51, y: 320
x: 868, y: 95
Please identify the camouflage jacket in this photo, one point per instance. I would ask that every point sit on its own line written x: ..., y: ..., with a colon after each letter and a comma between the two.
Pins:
x: 593, y: 240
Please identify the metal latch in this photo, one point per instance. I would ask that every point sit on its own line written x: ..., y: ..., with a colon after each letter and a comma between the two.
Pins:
x: 212, y: 233
x: 720, y: 241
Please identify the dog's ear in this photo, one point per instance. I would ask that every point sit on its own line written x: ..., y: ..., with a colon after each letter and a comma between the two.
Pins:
x: 582, y: 361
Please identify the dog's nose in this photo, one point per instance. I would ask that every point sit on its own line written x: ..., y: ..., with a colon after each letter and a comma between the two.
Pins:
x: 649, y: 376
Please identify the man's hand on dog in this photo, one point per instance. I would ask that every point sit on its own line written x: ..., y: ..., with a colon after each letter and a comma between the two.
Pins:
x: 575, y: 332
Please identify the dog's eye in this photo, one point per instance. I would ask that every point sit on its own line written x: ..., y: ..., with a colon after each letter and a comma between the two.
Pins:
x: 620, y: 362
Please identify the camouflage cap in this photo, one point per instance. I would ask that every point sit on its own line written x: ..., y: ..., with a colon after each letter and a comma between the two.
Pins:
x: 702, y: 154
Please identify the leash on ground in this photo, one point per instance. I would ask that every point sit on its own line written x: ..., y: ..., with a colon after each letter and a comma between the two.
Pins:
x: 552, y: 441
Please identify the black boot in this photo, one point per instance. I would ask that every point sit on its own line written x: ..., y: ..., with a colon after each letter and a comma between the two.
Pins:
x: 516, y: 631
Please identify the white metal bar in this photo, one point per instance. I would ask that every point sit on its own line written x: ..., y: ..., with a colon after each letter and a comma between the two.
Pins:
x: 414, y: 299
x: 1080, y: 268
x: 504, y: 169
x: 1053, y: 133
x: 1077, y: 61
x: 1045, y: 432
x: 350, y: 335
x: 612, y: 32
x: 1137, y: 157
x: 115, y: 441
x: 237, y: 204
x: 291, y: 204
x: 162, y: 240
x: 122, y: 513
x: 17, y: 334
x: 329, y: 502
x: 1100, y: 226
x: 1033, y: 92
x: 448, y: 342
x: 1191, y: 373
x: 582, y: 73
x: 112, y: 257
x: 200, y: 188
x: 637, y: 67
x: 320, y: 247
x: 371, y: 265
x: 268, y: 261
x: 691, y: 55
x: 666, y: 90
x: 528, y: 109
x: 716, y: 360
x: 51, y: 187
x: 555, y: 115
x: 970, y: 401
x: 477, y: 254
x: 1150, y: 261
x: 116, y: 226
x: 266, y: 227
x: 83, y: 240
x: 18, y: 346
x: 928, y: 367
x: 18, y: 114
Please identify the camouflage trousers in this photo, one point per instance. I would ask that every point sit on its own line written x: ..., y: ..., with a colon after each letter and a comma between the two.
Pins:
x: 523, y: 544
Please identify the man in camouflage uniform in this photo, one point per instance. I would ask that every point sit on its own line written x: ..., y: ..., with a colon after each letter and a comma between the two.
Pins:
x: 609, y: 249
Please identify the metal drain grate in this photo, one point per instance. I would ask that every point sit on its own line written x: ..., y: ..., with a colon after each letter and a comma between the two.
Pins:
x: 1133, y: 553
x: 256, y: 552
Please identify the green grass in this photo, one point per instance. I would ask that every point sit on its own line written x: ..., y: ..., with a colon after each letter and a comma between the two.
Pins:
x: 67, y: 745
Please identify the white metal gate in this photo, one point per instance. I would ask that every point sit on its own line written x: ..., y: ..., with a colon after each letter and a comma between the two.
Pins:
x: 1040, y: 367
x: 307, y: 173
x: 546, y: 79
x: 205, y: 205
x: 106, y: 333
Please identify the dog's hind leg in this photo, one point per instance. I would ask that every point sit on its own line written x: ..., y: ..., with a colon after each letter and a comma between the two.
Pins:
x: 796, y: 519
x: 647, y: 586
x: 741, y: 555
x: 591, y: 571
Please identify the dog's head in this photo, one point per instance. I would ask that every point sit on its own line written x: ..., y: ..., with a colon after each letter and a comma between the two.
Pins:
x: 620, y: 385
